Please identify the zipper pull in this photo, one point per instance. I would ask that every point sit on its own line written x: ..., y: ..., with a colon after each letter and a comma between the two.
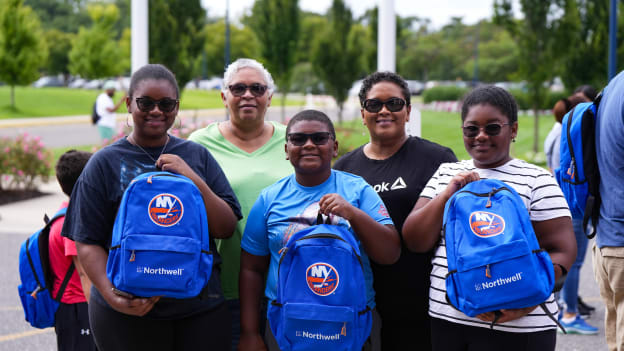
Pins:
x: 132, y: 256
x: 489, y: 202
x: 343, y: 331
x: 488, y: 273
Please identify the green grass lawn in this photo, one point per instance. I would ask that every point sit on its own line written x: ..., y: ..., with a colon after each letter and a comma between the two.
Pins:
x: 46, y: 102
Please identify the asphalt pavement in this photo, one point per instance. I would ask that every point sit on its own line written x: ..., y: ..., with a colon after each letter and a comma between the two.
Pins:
x: 20, y: 219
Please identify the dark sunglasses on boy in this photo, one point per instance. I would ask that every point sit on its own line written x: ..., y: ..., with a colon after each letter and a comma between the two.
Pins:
x: 147, y: 104
x: 375, y: 105
x: 299, y: 139
x: 256, y: 89
x: 492, y: 129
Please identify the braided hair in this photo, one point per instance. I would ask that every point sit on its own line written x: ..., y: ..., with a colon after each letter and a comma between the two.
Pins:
x: 494, y: 96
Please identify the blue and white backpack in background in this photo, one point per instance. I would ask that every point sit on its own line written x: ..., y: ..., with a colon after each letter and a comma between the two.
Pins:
x: 494, y: 258
x: 160, y: 244
x: 321, y: 299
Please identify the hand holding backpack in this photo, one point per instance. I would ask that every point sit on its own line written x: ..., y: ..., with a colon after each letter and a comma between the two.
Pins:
x: 494, y: 258
x: 160, y: 244
x: 321, y: 293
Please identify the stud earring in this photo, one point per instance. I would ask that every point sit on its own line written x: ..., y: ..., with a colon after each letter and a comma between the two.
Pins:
x: 513, y: 140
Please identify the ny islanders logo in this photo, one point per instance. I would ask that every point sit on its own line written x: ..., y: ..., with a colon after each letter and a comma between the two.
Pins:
x: 322, y: 278
x: 165, y: 210
x: 486, y: 224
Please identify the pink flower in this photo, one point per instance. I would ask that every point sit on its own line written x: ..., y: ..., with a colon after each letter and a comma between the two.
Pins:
x: 39, y: 155
x: 25, y: 147
x: 7, y: 150
x: 20, y: 172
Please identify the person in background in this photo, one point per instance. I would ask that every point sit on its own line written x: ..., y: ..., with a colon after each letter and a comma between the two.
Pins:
x: 106, y: 108
x: 588, y: 91
x: 292, y: 204
x: 571, y: 316
x: 156, y: 323
x: 489, y: 119
x: 250, y: 150
x: 608, y: 250
x: 397, y: 166
x: 73, y: 332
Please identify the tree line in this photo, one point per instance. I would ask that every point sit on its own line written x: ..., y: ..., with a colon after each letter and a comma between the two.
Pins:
x: 310, y: 52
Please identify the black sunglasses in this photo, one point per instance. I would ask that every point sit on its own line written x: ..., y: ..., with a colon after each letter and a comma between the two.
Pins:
x: 375, y: 105
x: 491, y: 129
x: 147, y: 104
x: 299, y: 139
x: 256, y: 89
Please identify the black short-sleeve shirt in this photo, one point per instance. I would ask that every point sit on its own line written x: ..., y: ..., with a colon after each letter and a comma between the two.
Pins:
x: 98, y: 192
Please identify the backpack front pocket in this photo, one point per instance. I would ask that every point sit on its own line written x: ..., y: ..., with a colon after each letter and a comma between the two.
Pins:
x: 315, y: 327
x: 151, y: 265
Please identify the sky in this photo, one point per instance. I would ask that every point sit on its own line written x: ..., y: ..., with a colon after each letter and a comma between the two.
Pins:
x: 438, y: 11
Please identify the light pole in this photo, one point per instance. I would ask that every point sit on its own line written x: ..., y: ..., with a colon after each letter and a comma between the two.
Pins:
x: 139, y: 33
x: 227, y: 34
x: 386, y: 37
x: 612, y: 38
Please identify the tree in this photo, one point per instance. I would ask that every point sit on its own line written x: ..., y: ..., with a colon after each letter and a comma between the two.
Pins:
x: 536, y: 36
x: 243, y: 43
x: 276, y: 24
x: 96, y: 53
x: 64, y: 15
x: 175, y: 36
x: 338, y: 55
x: 58, y: 59
x: 22, y: 49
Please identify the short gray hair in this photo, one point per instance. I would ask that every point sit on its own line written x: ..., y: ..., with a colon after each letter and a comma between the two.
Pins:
x: 241, y: 63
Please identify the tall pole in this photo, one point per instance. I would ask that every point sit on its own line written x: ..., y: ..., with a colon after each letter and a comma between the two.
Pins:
x: 227, y: 34
x: 612, y: 38
x: 386, y: 37
x: 139, y: 33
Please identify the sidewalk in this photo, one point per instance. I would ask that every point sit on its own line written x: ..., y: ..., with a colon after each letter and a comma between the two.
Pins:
x: 25, y: 217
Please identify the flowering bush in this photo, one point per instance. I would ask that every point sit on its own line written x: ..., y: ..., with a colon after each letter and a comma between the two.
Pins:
x: 22, y: 161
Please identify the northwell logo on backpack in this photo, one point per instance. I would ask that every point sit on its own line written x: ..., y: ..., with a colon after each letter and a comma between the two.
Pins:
x: 494, y: 259
x: 160, y: 244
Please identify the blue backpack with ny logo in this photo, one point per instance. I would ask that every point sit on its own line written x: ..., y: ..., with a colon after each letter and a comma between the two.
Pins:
x: 160, y: 244
x: 321, y: 299
x: 494, y: 258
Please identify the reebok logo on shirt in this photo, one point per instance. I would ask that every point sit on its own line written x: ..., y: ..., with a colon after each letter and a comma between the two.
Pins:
x: 399, y: 183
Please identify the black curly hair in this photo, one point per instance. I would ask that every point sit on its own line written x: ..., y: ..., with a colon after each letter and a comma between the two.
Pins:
x: 494, y: 96
x: 377, y: 77
x: 153, y: 71
x: 69, y: 167
x: 311, y: 115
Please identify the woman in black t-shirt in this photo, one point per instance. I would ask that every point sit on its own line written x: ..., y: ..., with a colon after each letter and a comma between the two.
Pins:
x: 397, y: 166
x: 154, y: 323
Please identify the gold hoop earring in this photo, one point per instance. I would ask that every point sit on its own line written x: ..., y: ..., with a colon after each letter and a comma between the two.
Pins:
x: 127, y: 124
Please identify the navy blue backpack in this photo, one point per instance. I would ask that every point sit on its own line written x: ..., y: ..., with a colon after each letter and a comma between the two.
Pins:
x: 321, y: 293
x: 578, y: 174
x: 494, y: 258
x: 36, y: 278
x: 160, y: 244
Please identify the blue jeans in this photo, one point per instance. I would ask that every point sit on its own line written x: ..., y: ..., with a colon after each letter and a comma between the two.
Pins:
x: 569, y: 293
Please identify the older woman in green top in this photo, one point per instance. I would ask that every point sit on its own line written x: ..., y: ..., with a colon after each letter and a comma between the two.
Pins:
x: 250, y: 151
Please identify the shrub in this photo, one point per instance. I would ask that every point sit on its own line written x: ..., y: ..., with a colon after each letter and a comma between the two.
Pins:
x: 22, y: 161
x: 524, y: 102
x: 444, y: 93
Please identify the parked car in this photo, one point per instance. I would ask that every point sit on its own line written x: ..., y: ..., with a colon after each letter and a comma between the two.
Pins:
x: 48, y: 81
x: 415, y: 87
x: 77, y: 83
x: 93, y: 84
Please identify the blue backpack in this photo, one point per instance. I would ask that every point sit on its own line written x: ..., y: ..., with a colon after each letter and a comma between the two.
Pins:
x: 160, y: 244
x: 494, y: 258
x: 321, y: 292
x: 578, y: 174
x: 36, y: 277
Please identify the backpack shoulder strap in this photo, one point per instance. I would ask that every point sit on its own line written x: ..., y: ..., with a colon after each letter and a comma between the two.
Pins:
x: 68, y: 276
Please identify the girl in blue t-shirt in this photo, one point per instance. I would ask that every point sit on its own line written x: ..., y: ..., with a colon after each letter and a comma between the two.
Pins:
x: 293, y: 203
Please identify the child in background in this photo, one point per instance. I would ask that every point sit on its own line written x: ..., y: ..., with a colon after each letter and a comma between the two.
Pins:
x: 72, y: 317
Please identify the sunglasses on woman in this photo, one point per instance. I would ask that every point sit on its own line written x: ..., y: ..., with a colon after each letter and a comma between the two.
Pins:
x: 375, y: 105
x: 147, y: 104
x: 492, y: 129
x: 256, y: 89
x: 299, y: 139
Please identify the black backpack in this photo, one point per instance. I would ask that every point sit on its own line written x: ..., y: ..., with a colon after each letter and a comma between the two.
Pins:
x: 94, y: 115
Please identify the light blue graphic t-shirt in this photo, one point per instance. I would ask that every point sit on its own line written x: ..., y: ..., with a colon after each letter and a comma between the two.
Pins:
x: 287, y: 207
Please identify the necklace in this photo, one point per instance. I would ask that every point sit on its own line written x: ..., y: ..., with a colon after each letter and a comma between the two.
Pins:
x: 133, y: 142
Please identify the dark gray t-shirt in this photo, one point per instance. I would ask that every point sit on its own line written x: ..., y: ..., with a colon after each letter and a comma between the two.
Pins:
x: 98, y: 192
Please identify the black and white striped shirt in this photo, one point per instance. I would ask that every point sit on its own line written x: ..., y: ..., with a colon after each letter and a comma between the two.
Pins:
x: 544, y: 200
